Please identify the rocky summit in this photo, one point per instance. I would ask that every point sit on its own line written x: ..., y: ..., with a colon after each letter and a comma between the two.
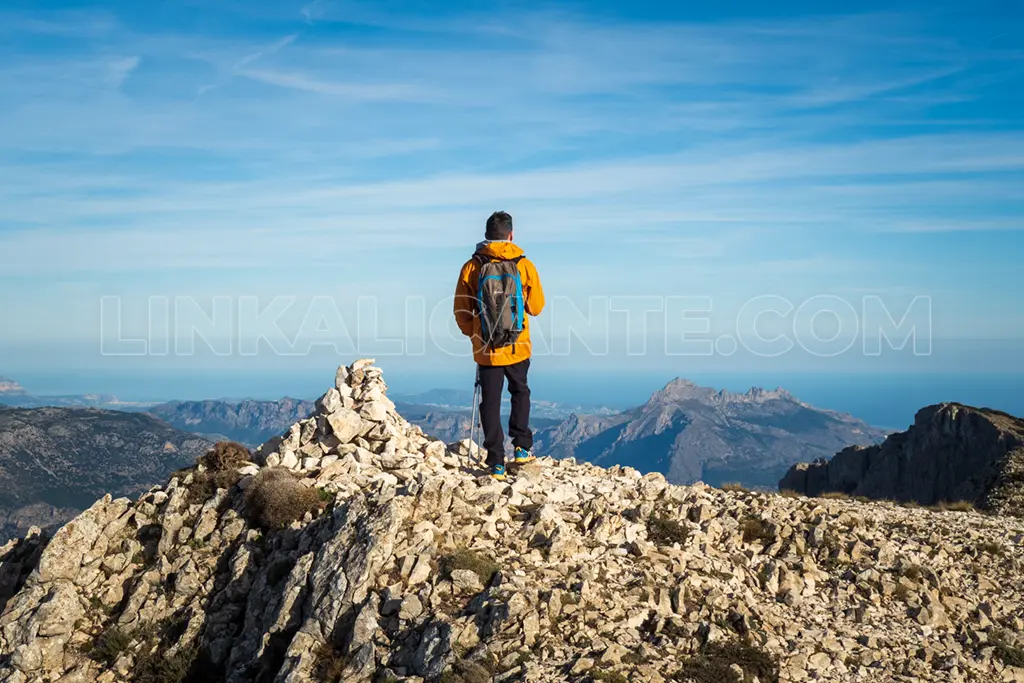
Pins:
x: 353, y: 548
x: 951, y: 453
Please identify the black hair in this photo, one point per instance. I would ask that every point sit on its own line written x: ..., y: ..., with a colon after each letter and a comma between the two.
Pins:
x: 499, y: 226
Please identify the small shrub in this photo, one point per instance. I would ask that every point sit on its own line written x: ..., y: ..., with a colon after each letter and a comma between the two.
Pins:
x: 480, y: 564
x: 789, y: 493
x: 110, y: 645
x: 901, y: 593
x: 756, y: 529
x: 712, y: 666
x: 734, y: 486
x: 914, y: 572
x: 330, y: 664
x: 1011, y: 655
x: 226, y: 455
x: 990, y: 547
x: 666, y: 531
x: 277, y: 498
x: 835, y: 495
x: 205, y: 484
x: 464, y: 671
x: 608, y: 677
x: 157, y: 667
x: 633, y: 659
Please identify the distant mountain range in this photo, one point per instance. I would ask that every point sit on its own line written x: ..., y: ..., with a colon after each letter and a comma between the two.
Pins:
x: 444, y: 413
x: 54, y: 462
x: 14, y: 395
x: 684, y: 431
x: 951, y: 453
x: 692, y: 433
x: 460, y: 399
x: 247, y: 421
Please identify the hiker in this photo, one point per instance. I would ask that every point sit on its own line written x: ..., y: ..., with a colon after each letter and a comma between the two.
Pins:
x: 492, y: 311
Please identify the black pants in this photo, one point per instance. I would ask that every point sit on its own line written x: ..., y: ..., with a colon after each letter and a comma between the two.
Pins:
x: 492, y: 381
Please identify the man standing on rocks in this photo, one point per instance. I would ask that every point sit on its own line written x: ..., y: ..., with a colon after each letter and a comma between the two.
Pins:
x: 497, y: 288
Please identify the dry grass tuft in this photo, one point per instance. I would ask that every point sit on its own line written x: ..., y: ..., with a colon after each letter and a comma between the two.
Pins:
x: 110, y: 645
x: 956, y: 506
x: 666, y: 531
x: 990, y: 547
x: 205, y: 484
x: 226, y: 455
x: 465, y: 671
x: 277, y: 498
x: 835, y: 495
x: 156, y: 667
x: 219, y: 470
x: 1010, y: 655
x: 476, y: 562
x: 757, y: 529
x: 734, y: 486
x: 330, y: 664
x: 714, y: 665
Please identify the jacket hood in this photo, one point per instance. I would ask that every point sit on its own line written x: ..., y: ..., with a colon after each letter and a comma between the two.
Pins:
x: 502, y: 249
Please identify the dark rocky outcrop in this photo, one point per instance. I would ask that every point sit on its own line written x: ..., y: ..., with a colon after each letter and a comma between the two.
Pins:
x: 951, y: 453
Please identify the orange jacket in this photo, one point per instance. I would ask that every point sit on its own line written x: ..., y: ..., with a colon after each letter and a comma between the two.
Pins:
x: 466, y: 304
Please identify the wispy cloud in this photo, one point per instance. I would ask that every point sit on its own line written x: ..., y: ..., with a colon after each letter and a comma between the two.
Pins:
x: 329, y: 132
x: 363, y: 92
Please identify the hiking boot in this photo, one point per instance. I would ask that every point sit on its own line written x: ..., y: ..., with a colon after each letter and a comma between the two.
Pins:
x: 523, y: 456
x: 498, y: 472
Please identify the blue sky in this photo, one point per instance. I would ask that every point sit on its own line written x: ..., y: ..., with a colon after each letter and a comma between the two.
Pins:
x: 345, y: 150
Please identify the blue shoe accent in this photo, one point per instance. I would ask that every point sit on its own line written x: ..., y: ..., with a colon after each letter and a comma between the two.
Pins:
x: 498, y: 473
x: 523, y: 456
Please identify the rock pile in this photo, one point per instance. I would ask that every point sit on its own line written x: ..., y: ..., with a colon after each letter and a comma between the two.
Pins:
x: 408, y: 565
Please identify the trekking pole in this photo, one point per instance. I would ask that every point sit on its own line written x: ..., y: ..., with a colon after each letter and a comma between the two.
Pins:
x: 473, y: 420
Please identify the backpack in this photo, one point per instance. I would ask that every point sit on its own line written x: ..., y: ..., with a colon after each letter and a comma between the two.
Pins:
x: 499, y: 301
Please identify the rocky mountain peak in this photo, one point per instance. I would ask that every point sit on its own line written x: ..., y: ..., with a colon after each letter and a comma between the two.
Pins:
x: 951, y: 453
x: 680, y: 389
x: 354, y: 548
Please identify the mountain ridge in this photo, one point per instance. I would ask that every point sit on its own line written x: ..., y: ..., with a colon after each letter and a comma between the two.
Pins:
x: 248, y: 421
x: 700, y: 433
x: 54, y: 462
